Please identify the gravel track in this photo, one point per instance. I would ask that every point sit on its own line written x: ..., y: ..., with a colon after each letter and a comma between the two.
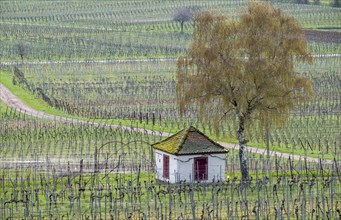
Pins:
x: 12, y: 101
x: 120, y: 61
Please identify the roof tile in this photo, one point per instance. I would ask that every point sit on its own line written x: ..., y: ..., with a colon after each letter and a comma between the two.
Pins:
x: 189, y: 141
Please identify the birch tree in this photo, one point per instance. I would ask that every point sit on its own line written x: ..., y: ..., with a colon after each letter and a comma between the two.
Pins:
x: 244, y: 69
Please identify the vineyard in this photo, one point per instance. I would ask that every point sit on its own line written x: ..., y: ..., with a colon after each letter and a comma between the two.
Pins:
x: 109, y: 68
x: 143, y: 93
x: 114, y: 29
x: 111, y: 176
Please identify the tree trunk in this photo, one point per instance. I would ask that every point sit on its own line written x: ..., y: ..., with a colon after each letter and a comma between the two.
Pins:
x: 244, y: 168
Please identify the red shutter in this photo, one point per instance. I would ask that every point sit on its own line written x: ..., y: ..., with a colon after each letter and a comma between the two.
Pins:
x: 200, y: 168
x: 166, y: 166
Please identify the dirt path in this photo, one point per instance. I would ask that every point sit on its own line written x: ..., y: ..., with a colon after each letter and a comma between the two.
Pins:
x: 12, y: 101
x: 12, y: 63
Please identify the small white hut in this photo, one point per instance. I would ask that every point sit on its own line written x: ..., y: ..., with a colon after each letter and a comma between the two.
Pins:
x: 191, y: 156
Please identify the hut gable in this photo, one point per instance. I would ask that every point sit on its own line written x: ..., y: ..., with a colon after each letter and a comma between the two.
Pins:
x: 188, y: 142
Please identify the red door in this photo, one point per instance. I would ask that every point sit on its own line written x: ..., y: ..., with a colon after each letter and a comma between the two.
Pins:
x: 166, y: 166
x: 200, y: 168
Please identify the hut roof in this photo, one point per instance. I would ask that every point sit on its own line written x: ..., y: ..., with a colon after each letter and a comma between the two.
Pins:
x: 189, y: 141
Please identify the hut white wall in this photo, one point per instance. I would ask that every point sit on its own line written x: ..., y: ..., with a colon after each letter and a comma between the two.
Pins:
x: 181, y: 167
x: 216, y: 167
x: 173, y: 166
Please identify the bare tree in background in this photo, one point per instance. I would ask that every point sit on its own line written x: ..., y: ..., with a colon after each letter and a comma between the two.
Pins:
x: 21, y: 48
x: 183, y: 15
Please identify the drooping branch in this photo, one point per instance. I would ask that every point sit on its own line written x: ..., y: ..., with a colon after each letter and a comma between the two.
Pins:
x: 245, y: 66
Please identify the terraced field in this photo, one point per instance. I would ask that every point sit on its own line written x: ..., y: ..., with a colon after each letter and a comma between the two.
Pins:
x: 95, y: 83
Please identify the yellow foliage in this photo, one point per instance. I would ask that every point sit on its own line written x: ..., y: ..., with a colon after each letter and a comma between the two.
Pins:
x: 245, y: 67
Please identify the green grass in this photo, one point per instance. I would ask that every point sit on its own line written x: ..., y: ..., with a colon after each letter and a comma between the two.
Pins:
x: 73, y: 192
x: 40, y: 105
x: 3, y: 106
x: 114, y: 30
x: 26, y: 96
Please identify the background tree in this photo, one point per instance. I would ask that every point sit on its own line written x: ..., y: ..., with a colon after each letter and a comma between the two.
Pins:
x: 302, y: 2
x: 21, y: 49
x: 183, y: 15
x: 336, y: 3
x: 244, y: 69
x: 317, y: 2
